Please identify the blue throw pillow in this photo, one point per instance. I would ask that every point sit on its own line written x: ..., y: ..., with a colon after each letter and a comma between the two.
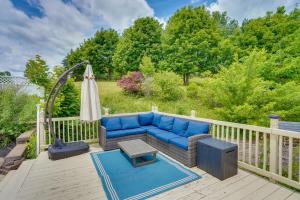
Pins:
x: 180, y: 126
x: 156, y: 119
x: 130, y: 122
x: 146, y: 119
x: 166, y: 123
x: 112, y: 124
x: 195, y: 128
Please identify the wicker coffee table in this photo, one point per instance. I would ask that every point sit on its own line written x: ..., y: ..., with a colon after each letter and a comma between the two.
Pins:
x: 138, y: 151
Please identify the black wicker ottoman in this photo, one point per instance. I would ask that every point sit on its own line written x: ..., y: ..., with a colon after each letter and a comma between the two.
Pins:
x: 217, y: 157
x: 67, y: 150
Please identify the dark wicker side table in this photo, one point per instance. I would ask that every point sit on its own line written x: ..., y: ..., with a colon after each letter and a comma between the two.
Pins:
x: 218, y: 158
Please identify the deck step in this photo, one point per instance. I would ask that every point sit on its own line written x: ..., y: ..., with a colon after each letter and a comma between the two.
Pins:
x: 14, y: 182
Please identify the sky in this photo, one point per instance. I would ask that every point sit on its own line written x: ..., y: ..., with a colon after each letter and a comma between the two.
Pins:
x: 51, y: 28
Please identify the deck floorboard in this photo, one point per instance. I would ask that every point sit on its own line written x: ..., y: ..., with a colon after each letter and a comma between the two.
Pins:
x: 76, y: 178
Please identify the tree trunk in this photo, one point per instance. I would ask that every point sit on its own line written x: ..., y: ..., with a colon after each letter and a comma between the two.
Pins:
x: 110, y: 72
x: 186, y: 78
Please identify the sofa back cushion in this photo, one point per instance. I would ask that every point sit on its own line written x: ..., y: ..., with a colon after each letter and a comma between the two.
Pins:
x: 146, y: 119
x: 166, y: 123
x: 156, y: 119
x: 130, y: 122
x: 180, y: 126
x: 195, y: 128
x: 111, y: 124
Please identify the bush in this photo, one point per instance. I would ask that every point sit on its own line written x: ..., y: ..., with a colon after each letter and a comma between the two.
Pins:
x: 167, y: 86
x: 193, y: 91
x: 17, y: 114
x: 31, y: 148
x: 132, y: 83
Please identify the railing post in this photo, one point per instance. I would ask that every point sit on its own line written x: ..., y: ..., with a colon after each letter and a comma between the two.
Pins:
x: 274, y: 120
x: 37, y: 129
x: 154, y: 109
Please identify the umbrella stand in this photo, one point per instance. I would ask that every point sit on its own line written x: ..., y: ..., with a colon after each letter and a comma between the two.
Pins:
x: 55, y: 90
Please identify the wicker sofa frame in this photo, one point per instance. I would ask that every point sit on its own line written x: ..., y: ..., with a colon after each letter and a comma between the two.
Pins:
x: 186, y: 157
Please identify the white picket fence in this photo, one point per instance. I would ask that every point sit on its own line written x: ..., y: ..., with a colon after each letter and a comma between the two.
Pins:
x: 270, y: 152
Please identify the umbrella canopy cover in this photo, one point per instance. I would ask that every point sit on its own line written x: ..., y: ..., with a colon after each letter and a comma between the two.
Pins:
x: 90, y: 103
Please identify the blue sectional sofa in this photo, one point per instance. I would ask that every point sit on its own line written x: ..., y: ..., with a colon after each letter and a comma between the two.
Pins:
x: 174, y: 136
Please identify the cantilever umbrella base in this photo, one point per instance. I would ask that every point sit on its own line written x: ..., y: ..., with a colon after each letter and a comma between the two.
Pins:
x: 67, y: 150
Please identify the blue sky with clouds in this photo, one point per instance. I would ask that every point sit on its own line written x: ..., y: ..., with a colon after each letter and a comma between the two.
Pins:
x: 52, y: 27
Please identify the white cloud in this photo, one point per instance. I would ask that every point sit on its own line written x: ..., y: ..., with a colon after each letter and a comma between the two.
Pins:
x: 241, y: 9
x: 62, y: 27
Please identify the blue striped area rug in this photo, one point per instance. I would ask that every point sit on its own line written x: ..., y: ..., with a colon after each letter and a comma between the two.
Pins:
x: 121, y: 180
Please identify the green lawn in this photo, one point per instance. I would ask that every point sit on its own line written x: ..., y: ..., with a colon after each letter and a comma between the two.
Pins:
x: 112, y: 97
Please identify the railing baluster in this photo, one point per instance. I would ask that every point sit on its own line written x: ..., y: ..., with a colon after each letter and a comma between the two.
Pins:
x: 49, y: 135
x: 58, y: 124
x: 244, y: 145
x: 213, y: 131
x: 54, y: 128
x: 64, y: 138
x: 93, y: 132
x: 77, y: 124
x: 89, y: 131
x: 238, y: 141
x: 81, y: 131
x: 222, y: 132
x: 85, y: 130
x: 227, y: 133
x: 72, y: 130
x: 97, y: 131
x: 250, y: 147
x: 68, y: 131
x: 265, y: 152
x: 290, y: 171
x: 256, y: 147
x: 280, y: 156
x: 218, y: 132
x: 232, y: 134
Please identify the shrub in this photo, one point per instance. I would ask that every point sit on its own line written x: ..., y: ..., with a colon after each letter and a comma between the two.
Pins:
x: 167, y: 86
x: 146, y: 67
x: 132, y: 83
x: 193, y: 91
x: 17, y: 114
x: 31, y: 148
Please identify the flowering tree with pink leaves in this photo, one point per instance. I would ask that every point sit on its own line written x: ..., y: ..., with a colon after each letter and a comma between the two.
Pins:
x: 132, y: 82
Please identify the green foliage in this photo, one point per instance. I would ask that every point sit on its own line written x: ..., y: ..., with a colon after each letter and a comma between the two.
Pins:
x: 67, y: 102
x: 5, y: 73
x: 146, y: 67
x: 239, y: 94
x: 30, y: 152
x: 167, y: 86
x: 37, y: 71
x: 99, y: 51
x: 190, y: 42
x: 17, y: 114
x: 143, y: 38
x: 193, y: 91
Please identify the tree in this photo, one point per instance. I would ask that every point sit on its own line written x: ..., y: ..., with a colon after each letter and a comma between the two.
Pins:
x: 190, y: 42
x: 5, y: 73
x: 143, y: 38
x: 146, y: 67
x: 37, y: 71
x: 99, y: 51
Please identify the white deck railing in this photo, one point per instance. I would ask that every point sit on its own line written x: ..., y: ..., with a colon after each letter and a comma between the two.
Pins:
x: 270, y: 152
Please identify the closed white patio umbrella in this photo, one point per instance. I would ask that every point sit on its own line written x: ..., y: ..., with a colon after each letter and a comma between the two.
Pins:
x: 90, y: 104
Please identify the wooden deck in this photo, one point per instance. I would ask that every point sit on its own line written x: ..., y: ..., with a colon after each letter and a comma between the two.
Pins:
x: 76, y: 178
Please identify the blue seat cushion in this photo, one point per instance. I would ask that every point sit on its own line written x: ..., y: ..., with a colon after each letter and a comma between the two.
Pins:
x: 124, y: 132
x: 130, y: 122
x: 156, y: 119
x: 166, y: 136
x: 180, y: 126
x: 195, y: 128
x: 149, y: 127
x: 146, y: 119
x: 156, y: 131
x: 166, y: 123
x: 111, y: 124
x: 180, y: 142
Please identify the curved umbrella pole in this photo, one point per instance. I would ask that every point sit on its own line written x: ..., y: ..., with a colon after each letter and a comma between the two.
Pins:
x: 53, y: 92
